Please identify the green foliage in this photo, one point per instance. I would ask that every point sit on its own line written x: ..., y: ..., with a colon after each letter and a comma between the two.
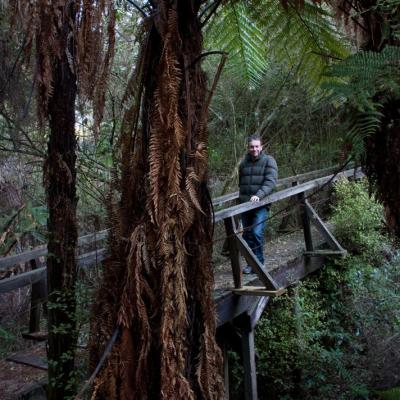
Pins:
x: 235, y: 32
x: 333, y: 336
x: 288, y: 342
x: 358, y: 218
x: 7, y: 339
x: 28, y: 222
x: 363, y: 83
x: 337, y: 334
x: 255, y: 33
x: 298, y: 129
x: 390, y: 394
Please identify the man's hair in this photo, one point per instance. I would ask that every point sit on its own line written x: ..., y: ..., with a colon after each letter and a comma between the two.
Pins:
x: 253, y: 137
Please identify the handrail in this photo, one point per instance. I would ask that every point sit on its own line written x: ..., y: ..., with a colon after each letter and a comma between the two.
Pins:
x: 40, y: 251
x: 36, y: 275
x: 283, y: 194
x: 283, y: 182
x: 10, y: 261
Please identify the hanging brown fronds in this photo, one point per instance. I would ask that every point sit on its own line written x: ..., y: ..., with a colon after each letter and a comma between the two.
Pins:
x: 161, y: 293
x: 93, y: 40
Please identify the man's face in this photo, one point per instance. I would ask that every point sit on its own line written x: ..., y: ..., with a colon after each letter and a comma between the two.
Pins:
x: 254, y: 148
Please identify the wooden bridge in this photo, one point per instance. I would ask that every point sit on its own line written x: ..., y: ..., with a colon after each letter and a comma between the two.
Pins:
x: 240, y: 301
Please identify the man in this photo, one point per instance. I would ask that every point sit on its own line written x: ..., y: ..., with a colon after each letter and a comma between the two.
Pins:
x: 258, y: 174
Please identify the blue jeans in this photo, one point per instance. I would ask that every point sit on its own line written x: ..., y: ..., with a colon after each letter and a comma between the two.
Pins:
x: 254, y: 223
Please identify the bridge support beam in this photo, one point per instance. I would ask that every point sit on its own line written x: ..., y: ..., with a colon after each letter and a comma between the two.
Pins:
x: 249, y: 364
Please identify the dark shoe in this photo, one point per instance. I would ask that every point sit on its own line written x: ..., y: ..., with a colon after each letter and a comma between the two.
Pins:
x: 248, y: 270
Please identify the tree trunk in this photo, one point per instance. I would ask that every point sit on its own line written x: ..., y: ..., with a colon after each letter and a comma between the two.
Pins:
x: 383, y: 148
x: 374, y: 29
x: 60, y: 177
x: 382, y: 163
x: 158, y: 283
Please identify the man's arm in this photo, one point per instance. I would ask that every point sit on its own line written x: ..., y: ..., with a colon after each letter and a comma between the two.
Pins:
x: 270, y: 178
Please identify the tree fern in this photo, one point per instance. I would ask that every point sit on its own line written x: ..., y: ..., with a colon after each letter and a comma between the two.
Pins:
x: 255, y: 32
x: 308, y: 35
x: 363, y: 83
x: 234, y: 31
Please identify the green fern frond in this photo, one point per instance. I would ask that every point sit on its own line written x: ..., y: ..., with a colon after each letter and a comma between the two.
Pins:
x: 362, y: 75
x: 256, y: 33
x: 233, y: 31
x: 308, y: 35
x: 365, y: 66
x: 364, y: 82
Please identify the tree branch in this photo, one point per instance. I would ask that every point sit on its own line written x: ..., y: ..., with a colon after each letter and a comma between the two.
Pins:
x: 103, y: 358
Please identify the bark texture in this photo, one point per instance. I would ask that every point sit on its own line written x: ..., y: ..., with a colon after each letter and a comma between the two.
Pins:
x: 60, y: 178
x: 158, y: 282
x: 375, y: 25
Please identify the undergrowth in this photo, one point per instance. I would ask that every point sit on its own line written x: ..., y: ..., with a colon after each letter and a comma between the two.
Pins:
x: 336, y: 335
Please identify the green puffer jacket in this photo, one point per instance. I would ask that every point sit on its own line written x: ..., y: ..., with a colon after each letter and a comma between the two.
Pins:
x: 257, y: 177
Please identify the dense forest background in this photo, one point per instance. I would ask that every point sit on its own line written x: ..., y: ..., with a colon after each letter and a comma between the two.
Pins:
x: 299, y: 77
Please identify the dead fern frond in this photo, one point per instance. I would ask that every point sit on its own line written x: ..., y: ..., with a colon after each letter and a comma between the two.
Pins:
x: 165, y: 282
x: 88, y: 57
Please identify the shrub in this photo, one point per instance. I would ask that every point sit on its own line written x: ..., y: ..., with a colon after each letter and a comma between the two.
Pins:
x: 357, y: 218
x: 337, y: 334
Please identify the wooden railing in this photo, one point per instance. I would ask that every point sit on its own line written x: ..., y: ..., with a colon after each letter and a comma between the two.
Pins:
x: 237, y: 246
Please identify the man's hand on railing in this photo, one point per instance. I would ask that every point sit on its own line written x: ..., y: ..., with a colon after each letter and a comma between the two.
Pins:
x: 254, y: 199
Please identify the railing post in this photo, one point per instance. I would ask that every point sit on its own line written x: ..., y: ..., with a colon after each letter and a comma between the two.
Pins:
x: 36, y: 300
x: 226, y: 370
x: 249, y: 364
x: 230, y: 228
x: 305, y: 220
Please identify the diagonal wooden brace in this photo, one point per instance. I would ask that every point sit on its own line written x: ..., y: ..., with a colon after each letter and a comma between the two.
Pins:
x: 322, y: 228
x: 252, y: 260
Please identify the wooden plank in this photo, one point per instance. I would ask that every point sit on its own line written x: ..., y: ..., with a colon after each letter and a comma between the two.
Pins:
x: 31, y: 277
x: 249, y: 364
x: 253, y: 261
x: 21, y: 280
x: 96, y: 256
x: 326, y: 253
x: 258, y: 291
x: 93, y: 237
x: 10, y: 261
x: 230, y: 229
x: 257, y: 310
x: 36, y: 336
x: 226, y: 370
x: 7, y: 262
x: 218, y: 201
x: 28, y: 359
x: 322, y: 228
x: 281, y: 195
x: 229, y: 305
x: 281, y: 183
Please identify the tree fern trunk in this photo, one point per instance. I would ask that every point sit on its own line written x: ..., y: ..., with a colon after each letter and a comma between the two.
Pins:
x: 60, y: 177
x: 158, y: 283
x: 383, y: 148
x: 382, y: 163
